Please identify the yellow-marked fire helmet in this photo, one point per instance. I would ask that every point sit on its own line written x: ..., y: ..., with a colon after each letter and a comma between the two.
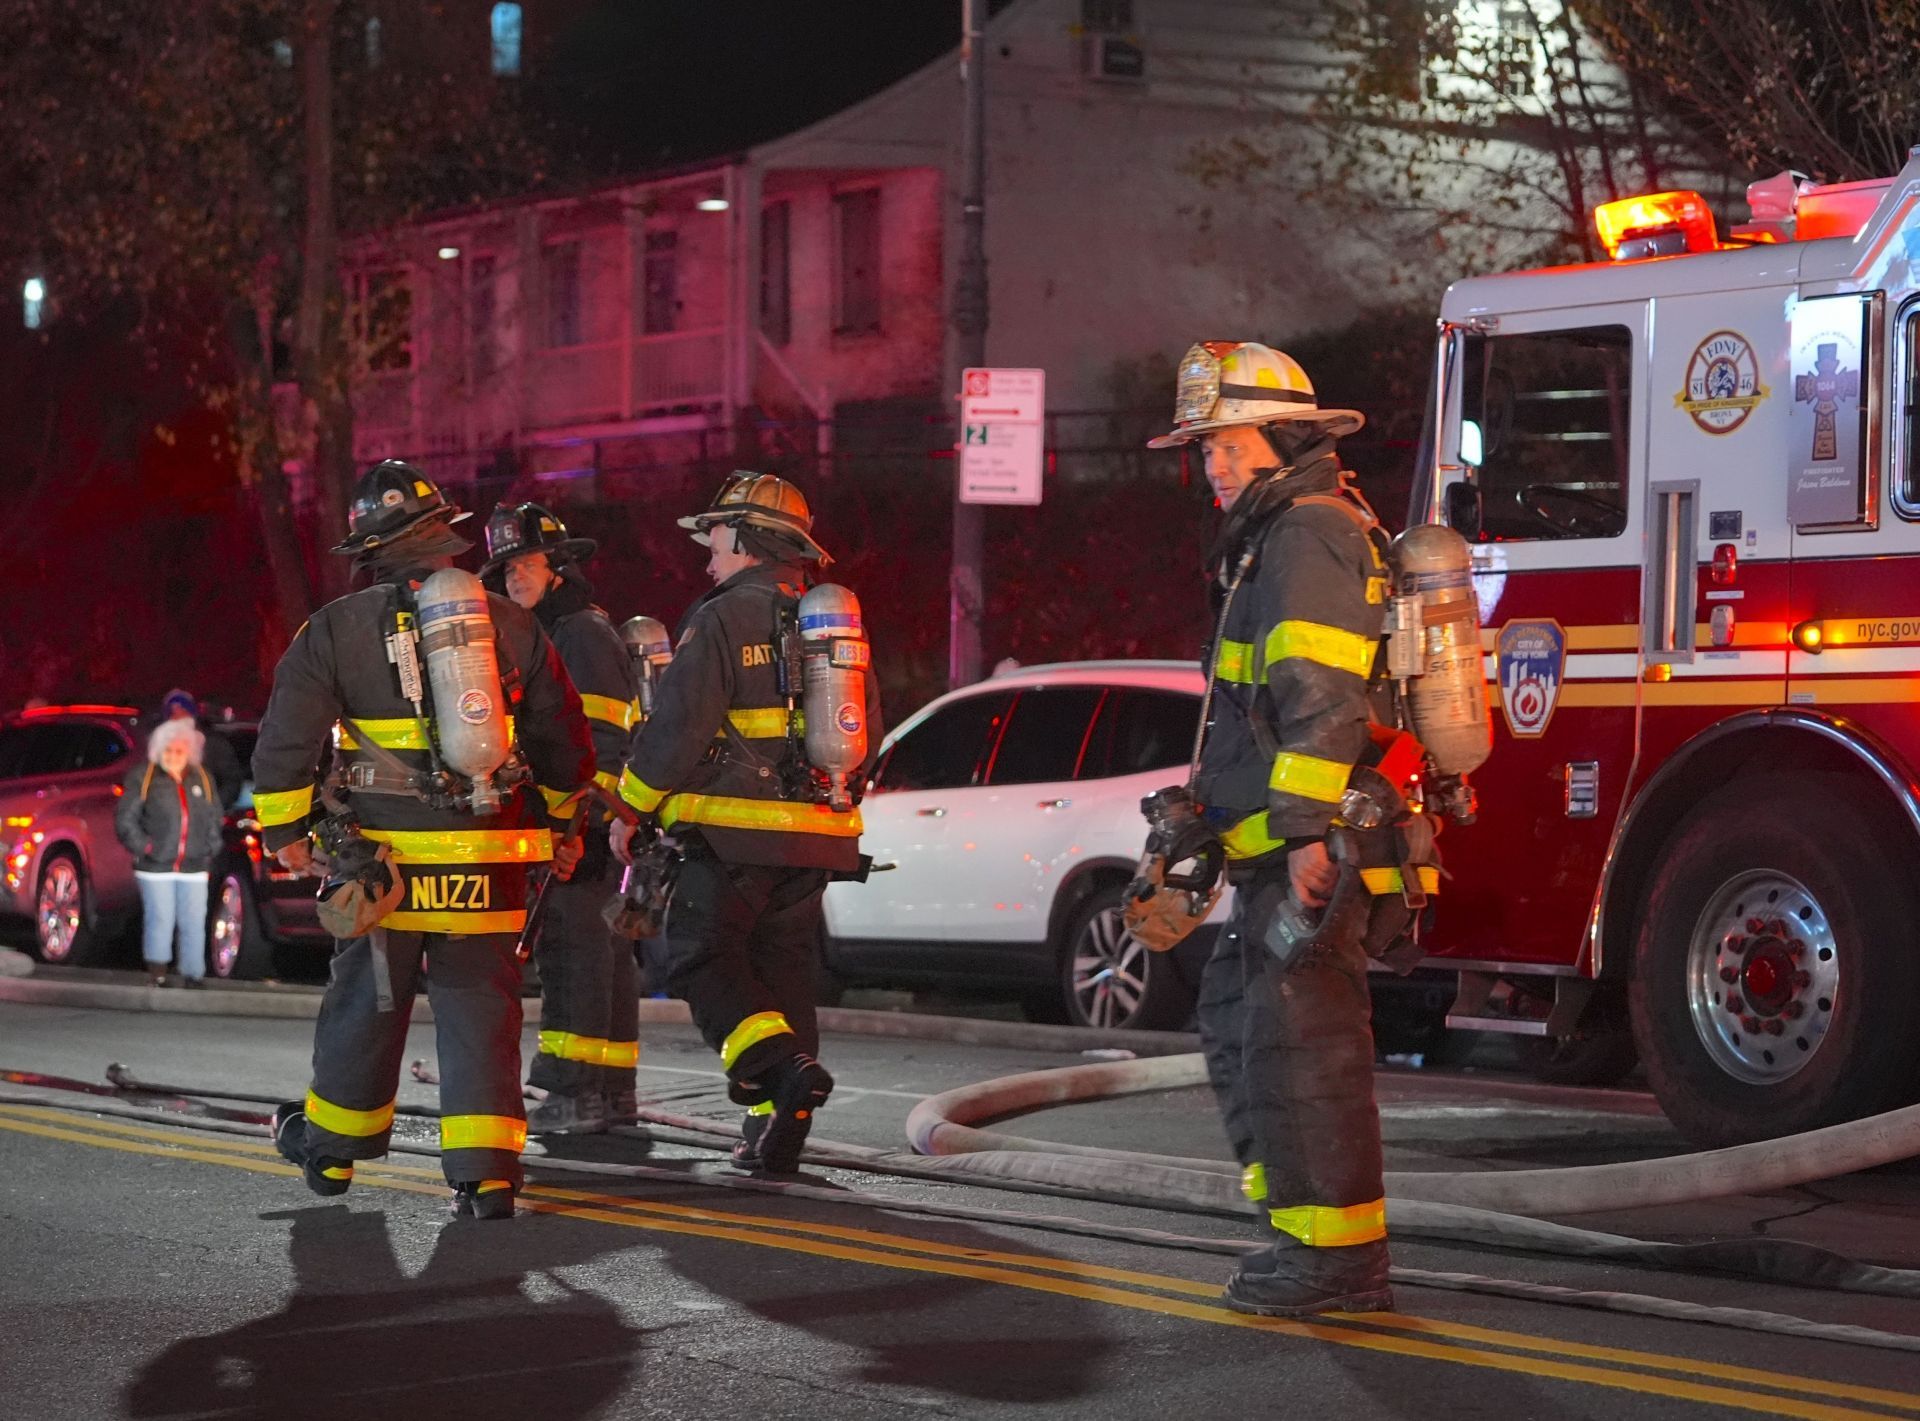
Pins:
x: 764, y: 501
x: 1226, y: 384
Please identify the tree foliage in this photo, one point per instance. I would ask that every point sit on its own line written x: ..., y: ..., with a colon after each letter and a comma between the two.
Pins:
x: 160, y: 156
x: 1822, y: 86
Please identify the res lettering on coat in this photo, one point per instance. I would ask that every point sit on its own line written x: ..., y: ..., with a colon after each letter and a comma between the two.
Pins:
x: 441, y: 891
x: 758, y: 653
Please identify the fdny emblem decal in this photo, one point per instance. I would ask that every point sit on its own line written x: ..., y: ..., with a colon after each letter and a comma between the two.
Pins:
x: 1723, y: 383
x: 475, y: 707
x: 1532, y: 658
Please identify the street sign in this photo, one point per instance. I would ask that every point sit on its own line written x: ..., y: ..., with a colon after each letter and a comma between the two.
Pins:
x: 1002, y: 444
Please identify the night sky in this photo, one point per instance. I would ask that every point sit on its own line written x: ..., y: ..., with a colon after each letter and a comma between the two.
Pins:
x: 655, y: 84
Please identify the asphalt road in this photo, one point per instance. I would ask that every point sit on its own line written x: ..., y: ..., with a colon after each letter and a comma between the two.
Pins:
x: 150, y: 1271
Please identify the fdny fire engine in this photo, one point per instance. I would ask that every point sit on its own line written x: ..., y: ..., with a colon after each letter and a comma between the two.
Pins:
x: 1690, y: 480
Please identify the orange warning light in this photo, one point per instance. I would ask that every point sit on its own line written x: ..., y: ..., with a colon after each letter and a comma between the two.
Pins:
x: 1638, y: 223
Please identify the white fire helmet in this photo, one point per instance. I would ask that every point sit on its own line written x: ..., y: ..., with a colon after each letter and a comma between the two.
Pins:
x: 1227, y: 384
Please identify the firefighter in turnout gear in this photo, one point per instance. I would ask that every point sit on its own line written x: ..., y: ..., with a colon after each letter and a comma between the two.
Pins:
x: 1299, y: 590
x: 721, y: 765
x: 397, y: 806
x: 589, y: 984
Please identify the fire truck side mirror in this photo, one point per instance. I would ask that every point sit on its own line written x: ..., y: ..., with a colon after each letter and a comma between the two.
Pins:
x: 1463, y: 509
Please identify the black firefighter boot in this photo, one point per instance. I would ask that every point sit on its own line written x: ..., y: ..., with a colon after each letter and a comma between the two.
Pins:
x: 797, y: 1087
x: 1289, y: 1279
x: 328, y: 1178
x: 482, y: 1199
x: 570, y: 1112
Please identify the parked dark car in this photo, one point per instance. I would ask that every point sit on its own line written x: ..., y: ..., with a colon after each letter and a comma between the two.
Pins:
x: 261, y: 920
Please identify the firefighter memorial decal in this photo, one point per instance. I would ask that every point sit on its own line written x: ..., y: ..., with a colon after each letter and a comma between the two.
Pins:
x: 1826, y: 427
x: 1723, y: 383
x: 1532, y: 661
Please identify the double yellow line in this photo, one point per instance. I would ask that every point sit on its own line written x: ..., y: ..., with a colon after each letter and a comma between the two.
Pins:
x: 1460, y: 1344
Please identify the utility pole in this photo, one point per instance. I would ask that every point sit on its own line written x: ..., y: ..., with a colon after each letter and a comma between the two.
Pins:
x: 969, y: 319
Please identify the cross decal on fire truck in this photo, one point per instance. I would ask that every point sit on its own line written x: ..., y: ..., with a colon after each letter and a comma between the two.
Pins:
x: 1824, y: 389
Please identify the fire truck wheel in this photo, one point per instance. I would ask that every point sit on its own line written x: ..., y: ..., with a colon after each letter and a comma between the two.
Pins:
x: 1774, y: 973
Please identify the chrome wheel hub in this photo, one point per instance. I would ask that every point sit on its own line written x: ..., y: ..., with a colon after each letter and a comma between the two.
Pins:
x: 229, y: 917
x: 1109, y: 971
x: 57, y: 910
x: 1763, y: 975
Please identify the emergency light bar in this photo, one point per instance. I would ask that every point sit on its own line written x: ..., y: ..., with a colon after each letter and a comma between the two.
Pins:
x: 1660, y: 224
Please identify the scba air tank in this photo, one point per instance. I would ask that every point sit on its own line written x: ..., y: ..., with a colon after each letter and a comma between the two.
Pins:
x: 650, y: 649
x: 1435, y: 650
x: 836, y: 661
x: 463, y: 678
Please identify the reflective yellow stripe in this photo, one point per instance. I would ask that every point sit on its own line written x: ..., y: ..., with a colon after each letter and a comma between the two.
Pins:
x: 1318, y: 1226
x: 637, y: 792
x: 1327, y: 646
x: 1253, y: 1182
x: 620, y: 1053
x: 568, y: 1047
x: 1309, y: 776
x: 492, y: 1186
x: 607, y: 780
x: 338, y: 1120
x: 1249, y: 838
x: 400, y: 733
x: 421, y: 846
x: 282, y: 806
x: 768, y: 724
x: 507, y: 921
x: 1388, y: 880
x: 560, y: 802
x: 620, y: 713
x: 337, y: 1171
x: 482, y: 1132
x: 751, y: 1033
x: 726, y: 813
x: 1234, y: 662
x: 765, y: 1107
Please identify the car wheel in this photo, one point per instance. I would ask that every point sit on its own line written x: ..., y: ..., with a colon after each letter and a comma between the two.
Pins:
x: 62, y: 934
x: 1774, y: 975
x: 237, y: 946
x: 1109, y: 979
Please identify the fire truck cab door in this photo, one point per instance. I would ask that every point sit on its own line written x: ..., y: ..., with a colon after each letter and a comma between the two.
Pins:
x: 1548, y: 412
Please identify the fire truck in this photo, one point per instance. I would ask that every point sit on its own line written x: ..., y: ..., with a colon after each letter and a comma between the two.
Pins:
x: 1690, y: 480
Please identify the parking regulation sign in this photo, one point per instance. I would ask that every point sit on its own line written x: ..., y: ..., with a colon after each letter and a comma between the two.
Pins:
x: 1002, y: 444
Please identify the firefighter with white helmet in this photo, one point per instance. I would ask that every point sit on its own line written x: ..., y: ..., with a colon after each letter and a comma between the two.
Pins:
x: 441, y: 705
x: 733, y: 762
x: 1299, y: 588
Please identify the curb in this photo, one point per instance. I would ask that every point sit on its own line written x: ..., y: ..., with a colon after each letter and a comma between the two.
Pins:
x: 282, y: 1004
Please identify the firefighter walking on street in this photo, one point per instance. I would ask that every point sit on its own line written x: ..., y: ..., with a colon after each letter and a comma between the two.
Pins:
x: 425, y: 834
x: 1299, y: 588
x: 589, y: 984
x: 730, y: 762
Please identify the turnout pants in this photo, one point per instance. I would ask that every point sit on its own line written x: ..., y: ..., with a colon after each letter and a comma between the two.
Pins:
x: 742, y: 940
x: 589, y: 994
x: 1290, y: 1057
x: 474, y: 985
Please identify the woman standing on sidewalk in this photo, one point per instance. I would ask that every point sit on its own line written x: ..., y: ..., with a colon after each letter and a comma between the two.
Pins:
x: 169, y: 819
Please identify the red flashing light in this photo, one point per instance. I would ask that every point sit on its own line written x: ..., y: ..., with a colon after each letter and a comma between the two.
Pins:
x: 1653, y: 215
x: 1726, y: 564
x: 38, y: 711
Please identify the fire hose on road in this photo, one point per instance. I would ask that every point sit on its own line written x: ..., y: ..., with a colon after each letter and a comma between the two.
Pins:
x: 969, y: 1156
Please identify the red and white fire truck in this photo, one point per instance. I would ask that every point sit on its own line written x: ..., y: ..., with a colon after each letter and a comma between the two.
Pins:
x: 1691, y: 482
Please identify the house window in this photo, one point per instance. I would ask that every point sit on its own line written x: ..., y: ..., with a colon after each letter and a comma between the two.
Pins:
x: 856, y: 222
x: 483, y: 309
x: 506, y: 41
x: 373, y: 42
x: 383, y: 320
x: 561, y: 268
x: 660, y: 282
x: 776, y: 277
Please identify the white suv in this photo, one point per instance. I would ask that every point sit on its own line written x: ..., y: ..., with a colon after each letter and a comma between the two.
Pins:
x: 1012, y: 811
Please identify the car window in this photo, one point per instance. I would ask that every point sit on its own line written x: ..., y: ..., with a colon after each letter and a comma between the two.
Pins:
x: 1045, y: 735
x: 30, y: 750
x: 950, y: 748
x: 1140, y: 730
x: 91, y: 747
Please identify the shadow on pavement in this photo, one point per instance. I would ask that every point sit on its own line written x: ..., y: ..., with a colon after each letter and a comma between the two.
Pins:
x: 359, y: 1338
